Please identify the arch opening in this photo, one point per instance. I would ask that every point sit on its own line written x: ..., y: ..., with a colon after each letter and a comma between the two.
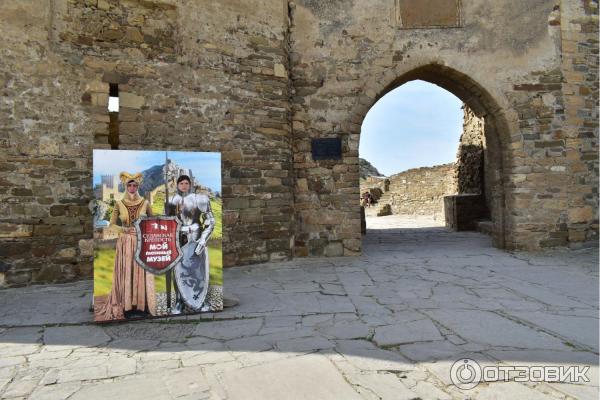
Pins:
x: 483, y: 160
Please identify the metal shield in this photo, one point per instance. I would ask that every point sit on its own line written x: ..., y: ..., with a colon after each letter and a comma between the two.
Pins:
x: 192, y: 274
x: 157, y: 248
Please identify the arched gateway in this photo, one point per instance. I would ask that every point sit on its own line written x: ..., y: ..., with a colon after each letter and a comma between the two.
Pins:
x: 480, y: 101
x: 346, y: 216
x: 519, y: 66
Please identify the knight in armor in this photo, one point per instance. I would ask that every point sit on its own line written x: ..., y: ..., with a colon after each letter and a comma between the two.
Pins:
x: 198, y: 222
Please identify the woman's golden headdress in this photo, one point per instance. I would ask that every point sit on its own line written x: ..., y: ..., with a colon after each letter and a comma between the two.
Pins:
x: 127, y: 177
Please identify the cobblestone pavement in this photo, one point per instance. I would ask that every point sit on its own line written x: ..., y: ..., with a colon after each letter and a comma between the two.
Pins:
x: 386, y: 325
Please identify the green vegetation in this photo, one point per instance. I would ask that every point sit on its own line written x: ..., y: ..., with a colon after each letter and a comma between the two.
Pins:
x: 217, y: 208
x: 104, y: 261
x: 109, y: 210
x: 158, y: 205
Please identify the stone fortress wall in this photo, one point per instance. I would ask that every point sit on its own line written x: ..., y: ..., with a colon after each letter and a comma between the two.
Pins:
x: 257, y: 80
x: 471, y: 156
x: 421, y: 191
x: 191, y: 76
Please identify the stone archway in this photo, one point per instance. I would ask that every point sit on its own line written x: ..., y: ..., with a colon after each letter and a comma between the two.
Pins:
x: 482, y: 104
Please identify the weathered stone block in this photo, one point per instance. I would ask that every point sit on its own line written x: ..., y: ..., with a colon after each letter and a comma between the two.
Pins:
x: 48, y: 273
x: 17, y: 278
x: 114, y: 77
x: 21, y: 192
x: 385, y: 209
x: 334, y: 249
x: 581, y: 214
x: 8, y: 230
x: 9, y: 248
x: 103, y: 5
x: 130, y: 100
x: 97, y: 86
x: 100, y: 99
x: 134, y: 35
x: 276, y: 245
x: 280, y: 71
x: 70, y: 252
x: 132, y: 128
x: 236, y: 204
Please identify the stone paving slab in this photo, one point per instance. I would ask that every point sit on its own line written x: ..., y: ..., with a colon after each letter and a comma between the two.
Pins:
x: 585, y: 335
x: 306, y: 377
x: 386, y: 325
x: 46, y: 304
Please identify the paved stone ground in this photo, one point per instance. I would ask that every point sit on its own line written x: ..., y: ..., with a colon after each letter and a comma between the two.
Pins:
x: 387, y: 325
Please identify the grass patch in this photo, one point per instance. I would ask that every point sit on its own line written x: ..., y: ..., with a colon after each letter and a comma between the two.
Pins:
x: 104, y: 261
x: 217, y: 208
x: 158, y: 205
x: 104, y: 265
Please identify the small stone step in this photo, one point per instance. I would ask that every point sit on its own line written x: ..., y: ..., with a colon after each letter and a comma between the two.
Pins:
x: 486, y: 227
x: 371, y: 211
x: 384, y: 210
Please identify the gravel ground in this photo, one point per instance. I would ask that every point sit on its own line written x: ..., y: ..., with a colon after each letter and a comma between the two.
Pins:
x: 214, y: 300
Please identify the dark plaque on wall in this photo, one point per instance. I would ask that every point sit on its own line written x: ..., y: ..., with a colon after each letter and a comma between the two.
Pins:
x: 326, y: 149
x: 413, y: 14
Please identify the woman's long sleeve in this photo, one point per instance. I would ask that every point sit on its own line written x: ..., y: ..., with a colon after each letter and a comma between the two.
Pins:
x: 114, y: 218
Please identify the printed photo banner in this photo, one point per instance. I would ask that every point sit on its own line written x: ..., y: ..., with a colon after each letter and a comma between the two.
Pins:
x: 157, y: 234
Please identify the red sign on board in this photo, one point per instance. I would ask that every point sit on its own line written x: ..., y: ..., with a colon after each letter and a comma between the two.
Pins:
x: 158, y: 248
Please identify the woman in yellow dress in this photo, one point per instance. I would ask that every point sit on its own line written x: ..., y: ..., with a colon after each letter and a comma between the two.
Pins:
x: 132, y: 287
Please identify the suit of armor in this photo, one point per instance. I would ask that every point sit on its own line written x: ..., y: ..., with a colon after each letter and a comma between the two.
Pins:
x: 198, y: 222
x: 190, y: 208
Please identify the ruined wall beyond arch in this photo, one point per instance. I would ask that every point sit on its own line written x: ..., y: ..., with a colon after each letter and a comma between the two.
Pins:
x: 257, y: 80
x: 421, y: 191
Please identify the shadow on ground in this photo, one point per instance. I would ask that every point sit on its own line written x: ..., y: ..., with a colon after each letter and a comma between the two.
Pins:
x: 395, y: 319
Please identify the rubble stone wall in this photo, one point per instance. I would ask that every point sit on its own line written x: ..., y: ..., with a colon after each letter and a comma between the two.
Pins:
x: 470, y: 155
x: 579, y: 133
x: 191, y: 75
x: 474, y: 171
x: 257, y: 80
x: 421, y: 191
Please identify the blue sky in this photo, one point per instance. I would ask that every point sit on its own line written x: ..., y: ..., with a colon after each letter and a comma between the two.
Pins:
x: 205, y: 166
x: 416, y: 125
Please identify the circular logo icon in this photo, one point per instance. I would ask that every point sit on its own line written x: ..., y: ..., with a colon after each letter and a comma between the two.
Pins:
x: 465, y: 373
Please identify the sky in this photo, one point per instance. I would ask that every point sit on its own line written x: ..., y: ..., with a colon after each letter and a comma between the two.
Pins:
x: 206, y: 167
x: 415, y: 125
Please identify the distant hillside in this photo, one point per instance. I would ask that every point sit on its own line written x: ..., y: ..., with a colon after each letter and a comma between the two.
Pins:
x: 155, y: 177
x: 367, y: 169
